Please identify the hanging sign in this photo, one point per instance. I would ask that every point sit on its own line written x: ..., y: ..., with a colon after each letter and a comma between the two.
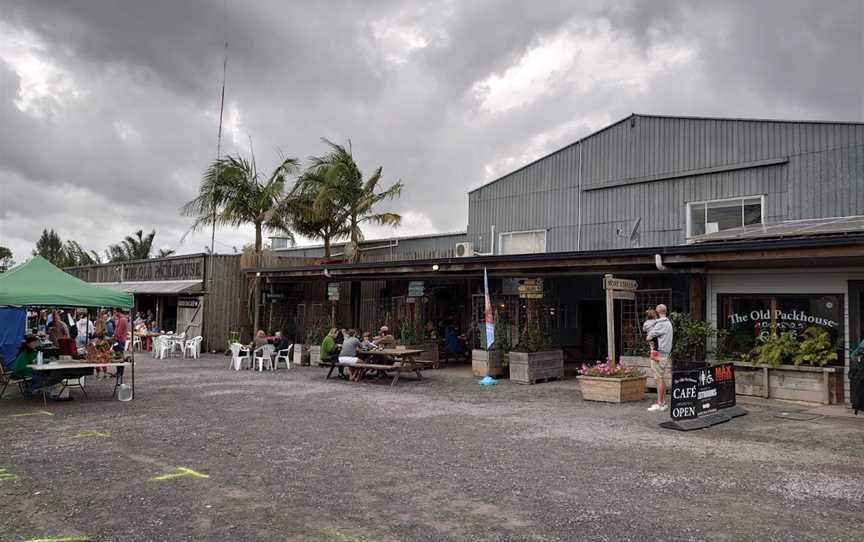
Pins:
x: 333, y: 291
x: 416, y: 288
x: 531, y: 288
x: 624, y: 294
x: 188, y: 302
x: 611, y: 283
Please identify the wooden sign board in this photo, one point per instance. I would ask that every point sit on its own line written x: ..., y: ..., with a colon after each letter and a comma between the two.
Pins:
x: 531, y: 288
x: 610, y: 283
x: 333, y: 291
x: 624, y: 294
x: 416, y: 288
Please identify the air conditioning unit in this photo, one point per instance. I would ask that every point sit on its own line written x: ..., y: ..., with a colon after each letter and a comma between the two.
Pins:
x: 464, y: 249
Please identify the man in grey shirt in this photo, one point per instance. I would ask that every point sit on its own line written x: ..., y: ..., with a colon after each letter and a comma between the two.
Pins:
x: 348, y: 354
x: 662, y: 331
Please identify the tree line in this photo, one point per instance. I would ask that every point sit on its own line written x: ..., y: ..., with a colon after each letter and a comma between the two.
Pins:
x: 328, y: 200
x: 138, y: 246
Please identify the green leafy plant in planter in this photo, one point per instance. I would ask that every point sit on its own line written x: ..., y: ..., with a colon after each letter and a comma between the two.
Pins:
x: 315, y: 334
x: 816, y: 348
x: 775, y: 349
x: 413, y: 334
x: 533, y: 339
x: 502, y: 342
x: 691, y: 337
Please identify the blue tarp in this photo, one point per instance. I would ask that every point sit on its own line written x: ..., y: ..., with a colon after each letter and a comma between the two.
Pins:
x: 12, y: 323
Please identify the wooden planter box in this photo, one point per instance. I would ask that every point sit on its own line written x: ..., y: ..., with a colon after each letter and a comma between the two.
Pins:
x: 823, y: 385
x: 529, y: 367
x: 485, y: 362
x: 612, y: 390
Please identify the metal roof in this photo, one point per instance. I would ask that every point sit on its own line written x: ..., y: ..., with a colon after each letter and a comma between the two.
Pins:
x: 786, y: 229
x: 155, y: 286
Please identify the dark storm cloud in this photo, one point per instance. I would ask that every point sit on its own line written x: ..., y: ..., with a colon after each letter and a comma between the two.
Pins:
x: 400, y: 79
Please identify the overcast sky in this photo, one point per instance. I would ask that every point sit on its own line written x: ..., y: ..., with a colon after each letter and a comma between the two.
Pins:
x: 108, y: 109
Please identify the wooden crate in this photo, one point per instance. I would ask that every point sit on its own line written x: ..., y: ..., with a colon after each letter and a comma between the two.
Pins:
x: 529, y: 367
x: 485, y: 362
x: 612, y: 390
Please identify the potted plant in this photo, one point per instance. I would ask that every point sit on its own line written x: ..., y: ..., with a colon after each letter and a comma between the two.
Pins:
x: 492, y: 361
x: 414, y: 336
x: 611, y: 384
x: 533, y: 359
x: 314, y: 337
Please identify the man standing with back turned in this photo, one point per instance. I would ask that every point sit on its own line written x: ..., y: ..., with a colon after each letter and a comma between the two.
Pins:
x: 661, y: 331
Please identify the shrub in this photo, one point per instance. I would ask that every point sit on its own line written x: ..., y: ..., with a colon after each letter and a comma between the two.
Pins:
x: 775, y: 349
x: 691, y: 337
x: 532, y: 339
x: 502, y: 337
x: 816, y: 348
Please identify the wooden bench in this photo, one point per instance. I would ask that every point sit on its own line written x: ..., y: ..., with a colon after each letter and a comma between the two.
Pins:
x: 405, y: 363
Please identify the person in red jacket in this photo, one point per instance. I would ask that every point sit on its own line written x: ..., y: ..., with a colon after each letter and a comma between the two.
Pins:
x: 121, y: 329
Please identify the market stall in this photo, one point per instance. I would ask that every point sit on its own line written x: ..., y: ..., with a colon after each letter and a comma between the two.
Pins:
x: 38, y: 283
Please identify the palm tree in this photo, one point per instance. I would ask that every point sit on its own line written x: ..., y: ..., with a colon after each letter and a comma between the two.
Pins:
x: 232, y: 193
x: 134, y: 247
x: 326, y: 222
x: 337, y: 180
x: 165, y: 252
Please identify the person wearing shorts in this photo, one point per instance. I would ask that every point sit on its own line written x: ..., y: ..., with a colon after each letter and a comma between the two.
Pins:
x: 661, y: 332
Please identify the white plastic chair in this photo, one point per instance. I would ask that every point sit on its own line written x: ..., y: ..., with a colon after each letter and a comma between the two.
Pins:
x: 283, y: 355
x: 193, y: 347
x: 156, y: 345
x: 238, y: 354
x: 178, y: 343
x: 137, y: 343
x: 264, y: 354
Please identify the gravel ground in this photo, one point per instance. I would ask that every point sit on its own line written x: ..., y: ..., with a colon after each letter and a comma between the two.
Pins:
x: 289, y: 456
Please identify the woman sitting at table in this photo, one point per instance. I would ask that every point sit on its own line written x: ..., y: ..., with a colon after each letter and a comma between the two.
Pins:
x: 26, y: 356
x: 260, y: 340
x: 154, y: 327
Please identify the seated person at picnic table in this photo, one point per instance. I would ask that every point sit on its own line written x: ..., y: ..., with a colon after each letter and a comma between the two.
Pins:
x: 385, y: 339
x: 348, y: 354
x: 154, y: 327
x: 259, y: 340
x: 367, y: 343
x: 330, y: 350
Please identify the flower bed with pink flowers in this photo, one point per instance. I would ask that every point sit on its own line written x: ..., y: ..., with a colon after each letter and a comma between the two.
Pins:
x: 605, y: 370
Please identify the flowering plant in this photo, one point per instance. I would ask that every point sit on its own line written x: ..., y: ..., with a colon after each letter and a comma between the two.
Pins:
x: 604, y: 369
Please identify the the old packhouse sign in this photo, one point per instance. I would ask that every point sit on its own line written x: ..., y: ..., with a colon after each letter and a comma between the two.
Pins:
x: 164, y: 270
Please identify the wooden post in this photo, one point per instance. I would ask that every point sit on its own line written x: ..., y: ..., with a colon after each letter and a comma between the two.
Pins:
x: 610, y: 325
x: 697, y: 296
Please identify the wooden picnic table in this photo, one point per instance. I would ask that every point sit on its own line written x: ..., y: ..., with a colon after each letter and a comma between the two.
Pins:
x: 404, y: 360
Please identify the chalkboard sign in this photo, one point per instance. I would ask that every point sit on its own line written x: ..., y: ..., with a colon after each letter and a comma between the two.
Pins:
x: 703, y: 391
x: 685, y: 387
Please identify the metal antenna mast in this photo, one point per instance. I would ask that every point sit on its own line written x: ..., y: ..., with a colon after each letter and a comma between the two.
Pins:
x: 218, y: 158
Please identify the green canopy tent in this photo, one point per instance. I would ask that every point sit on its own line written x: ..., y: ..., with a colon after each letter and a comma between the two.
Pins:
x: 40, y: 283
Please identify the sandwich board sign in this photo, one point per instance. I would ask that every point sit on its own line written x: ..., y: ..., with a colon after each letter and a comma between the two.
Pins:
x: 703, y: 397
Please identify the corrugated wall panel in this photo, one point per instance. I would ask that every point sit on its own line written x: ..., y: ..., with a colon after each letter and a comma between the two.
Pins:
x: 823, y: 178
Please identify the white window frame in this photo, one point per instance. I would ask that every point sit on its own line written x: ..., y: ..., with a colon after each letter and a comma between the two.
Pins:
x: 511, y: 233
x: 691, y: 204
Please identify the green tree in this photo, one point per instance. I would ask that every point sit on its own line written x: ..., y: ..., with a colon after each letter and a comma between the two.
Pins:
x: 326, y: 222
x: 233, y: 193
x: 337, y: 181
x: 50, y: 247
x: 134, y: 247
x: 165, y: 252
x: 6, y: 260
x: 74, y: 255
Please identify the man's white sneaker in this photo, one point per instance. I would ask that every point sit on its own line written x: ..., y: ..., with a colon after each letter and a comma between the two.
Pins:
x: 655, y: 407
x: 664, y: 407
